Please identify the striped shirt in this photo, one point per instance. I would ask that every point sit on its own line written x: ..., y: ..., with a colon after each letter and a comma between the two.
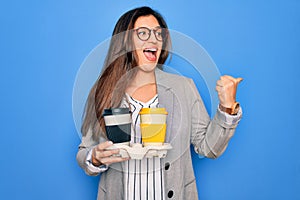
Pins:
x: 143, y: 179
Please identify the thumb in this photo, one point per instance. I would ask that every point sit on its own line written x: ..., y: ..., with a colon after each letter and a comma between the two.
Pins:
x: 238, y: 80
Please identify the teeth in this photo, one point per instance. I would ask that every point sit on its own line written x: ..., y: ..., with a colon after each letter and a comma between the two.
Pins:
x: 151, y: 49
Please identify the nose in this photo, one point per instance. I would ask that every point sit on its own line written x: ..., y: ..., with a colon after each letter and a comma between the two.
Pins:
x: 152, y: 37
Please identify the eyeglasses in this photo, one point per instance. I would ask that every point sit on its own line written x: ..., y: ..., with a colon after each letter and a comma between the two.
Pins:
x: 144, y: 33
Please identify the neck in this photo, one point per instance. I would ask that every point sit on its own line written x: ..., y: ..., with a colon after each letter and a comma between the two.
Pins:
x: 143, y: 78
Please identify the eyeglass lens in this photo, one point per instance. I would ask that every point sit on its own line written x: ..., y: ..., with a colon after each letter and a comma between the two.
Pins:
x: 144, y: 33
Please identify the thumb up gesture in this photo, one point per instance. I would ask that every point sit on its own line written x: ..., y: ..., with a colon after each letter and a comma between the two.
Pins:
x: 226, y: 88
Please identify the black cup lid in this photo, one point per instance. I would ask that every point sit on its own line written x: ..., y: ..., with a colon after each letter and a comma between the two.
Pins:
x: 115, y: 111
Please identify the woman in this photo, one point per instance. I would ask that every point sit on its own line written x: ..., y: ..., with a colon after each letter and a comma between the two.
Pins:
x: 132, y: 78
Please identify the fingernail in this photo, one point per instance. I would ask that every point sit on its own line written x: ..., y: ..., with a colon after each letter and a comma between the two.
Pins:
x: 110, y: 142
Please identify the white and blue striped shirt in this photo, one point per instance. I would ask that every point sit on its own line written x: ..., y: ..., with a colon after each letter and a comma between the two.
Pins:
x: 143, y: 179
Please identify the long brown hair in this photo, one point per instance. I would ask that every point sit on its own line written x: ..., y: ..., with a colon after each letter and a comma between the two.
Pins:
x: 121, y: 58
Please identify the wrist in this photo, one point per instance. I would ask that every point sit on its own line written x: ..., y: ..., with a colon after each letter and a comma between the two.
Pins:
x: 232, y: 110
x: 95, y: 162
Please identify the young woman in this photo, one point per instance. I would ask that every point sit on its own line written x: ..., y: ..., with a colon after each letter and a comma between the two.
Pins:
x: 132, y: 77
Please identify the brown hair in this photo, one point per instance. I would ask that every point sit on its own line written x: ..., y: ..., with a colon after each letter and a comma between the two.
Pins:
x: 119, y: 61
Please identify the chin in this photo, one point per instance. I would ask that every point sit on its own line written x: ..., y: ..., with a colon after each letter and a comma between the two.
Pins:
x: 147, y: 67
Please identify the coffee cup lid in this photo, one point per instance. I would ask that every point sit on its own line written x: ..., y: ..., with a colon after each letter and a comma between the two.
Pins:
x: 115, y: 111
x: 153, y: 111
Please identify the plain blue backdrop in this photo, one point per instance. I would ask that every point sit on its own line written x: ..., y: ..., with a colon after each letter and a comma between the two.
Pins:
x: 43, y: 44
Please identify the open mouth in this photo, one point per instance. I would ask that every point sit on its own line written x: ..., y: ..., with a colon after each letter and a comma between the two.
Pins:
x: 150, y: 53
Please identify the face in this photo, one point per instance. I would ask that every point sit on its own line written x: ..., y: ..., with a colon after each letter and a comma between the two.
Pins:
x: 148, y: 51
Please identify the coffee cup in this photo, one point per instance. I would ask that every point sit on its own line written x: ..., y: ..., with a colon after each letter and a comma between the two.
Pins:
x: 153, y: 125
x: 118, y: 124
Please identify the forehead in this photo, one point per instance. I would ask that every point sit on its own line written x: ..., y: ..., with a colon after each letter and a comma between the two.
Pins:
x: 146, y: 21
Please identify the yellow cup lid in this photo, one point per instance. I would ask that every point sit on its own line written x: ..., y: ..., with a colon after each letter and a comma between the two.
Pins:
x: 153, y: 111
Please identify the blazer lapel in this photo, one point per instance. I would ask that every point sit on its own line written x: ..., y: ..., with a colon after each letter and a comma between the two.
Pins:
x: 165, y: 99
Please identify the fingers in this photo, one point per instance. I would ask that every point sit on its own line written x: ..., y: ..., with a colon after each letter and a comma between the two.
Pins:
x: 218, y: 88
x: 220, y: 83
x: 103, y: 151
x: 104, y: 145
x: 110, y: 160
x: 107, y: 157
x: 102, y: 155
x: 107, y: 153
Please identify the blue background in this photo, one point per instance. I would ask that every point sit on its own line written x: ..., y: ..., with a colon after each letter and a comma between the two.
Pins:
x: 43, y: 44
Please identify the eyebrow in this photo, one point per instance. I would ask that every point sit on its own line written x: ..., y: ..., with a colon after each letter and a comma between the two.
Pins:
x: 148, y: 27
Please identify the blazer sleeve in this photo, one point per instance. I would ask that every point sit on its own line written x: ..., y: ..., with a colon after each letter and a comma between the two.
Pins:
x: 210, y: 137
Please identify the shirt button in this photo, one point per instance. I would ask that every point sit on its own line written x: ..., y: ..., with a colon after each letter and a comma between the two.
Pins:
x: 170, y: 194
x: 167, y: 166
